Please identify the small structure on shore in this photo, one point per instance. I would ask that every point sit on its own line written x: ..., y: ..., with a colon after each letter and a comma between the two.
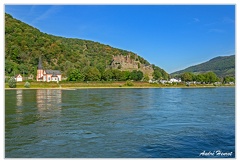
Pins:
x: 173, y: 80
x: 47, y: 75
x: 18, y: 78
x: 31, y: 77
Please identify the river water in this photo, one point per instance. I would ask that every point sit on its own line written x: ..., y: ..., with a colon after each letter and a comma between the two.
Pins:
x: 120, y: 123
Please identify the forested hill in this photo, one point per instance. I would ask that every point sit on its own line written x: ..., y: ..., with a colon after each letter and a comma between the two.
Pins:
x: 24, y: 45
x: 222, y: 66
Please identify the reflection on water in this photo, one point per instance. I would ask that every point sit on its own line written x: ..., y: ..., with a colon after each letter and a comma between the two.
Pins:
x: 49, y: 111
x: 19, y: 97
x: 48, y: 99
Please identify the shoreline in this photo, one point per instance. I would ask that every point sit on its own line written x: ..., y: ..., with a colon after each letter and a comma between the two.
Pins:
x: 107, y: 85
x: 129, y: 87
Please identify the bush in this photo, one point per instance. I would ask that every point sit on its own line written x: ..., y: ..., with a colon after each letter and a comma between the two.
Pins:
x: 129, y: 83
x: 12, y: 82
x: 27, y: 85
x: 136, y: 75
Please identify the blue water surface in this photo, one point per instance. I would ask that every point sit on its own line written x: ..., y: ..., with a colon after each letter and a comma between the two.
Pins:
x: 120, y: 123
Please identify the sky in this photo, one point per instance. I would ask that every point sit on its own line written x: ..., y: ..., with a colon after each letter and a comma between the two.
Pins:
x: 172, y: 37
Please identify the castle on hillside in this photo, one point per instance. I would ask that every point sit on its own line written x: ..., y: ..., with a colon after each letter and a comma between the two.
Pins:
x: 125, y: 62
x: 47, y: 75
x: 130, y: 63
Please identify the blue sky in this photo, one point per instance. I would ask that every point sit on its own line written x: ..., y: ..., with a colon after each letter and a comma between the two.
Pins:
x: 172, y: 37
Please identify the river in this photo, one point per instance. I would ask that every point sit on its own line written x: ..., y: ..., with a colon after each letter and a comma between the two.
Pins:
x: 120, y: 123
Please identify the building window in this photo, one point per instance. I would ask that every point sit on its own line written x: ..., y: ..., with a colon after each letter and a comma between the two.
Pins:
x: 49, y: 78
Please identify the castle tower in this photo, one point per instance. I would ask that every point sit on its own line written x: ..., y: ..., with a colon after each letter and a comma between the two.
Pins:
x: 39, y: 71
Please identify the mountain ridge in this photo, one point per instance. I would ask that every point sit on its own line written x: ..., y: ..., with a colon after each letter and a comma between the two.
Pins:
x: 221, y: 65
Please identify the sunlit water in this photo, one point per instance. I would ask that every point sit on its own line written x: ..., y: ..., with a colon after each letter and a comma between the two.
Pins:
x: 120, y: 123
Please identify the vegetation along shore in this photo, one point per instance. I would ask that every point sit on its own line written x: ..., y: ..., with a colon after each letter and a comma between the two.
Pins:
x: 127, y: 84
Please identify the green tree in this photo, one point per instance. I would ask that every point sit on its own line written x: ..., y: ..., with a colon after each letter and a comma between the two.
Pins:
x: 68, y: 66
x: 124, y: 75
x: 228, y: 79
x: 91, y: 74
x: 136, y: 75
x: 75, y: 75
x: 211, y: 77
x: 187, y: 76
x: 23, y: 69
x: 8, y: 67
x: 200, y: 78
x: 101, y: 67
x: 12, y: 82
x: 107, y: 75
x: 157, y: 75
x: 140, y: 75
x: 116, y: 74
x: 146, y: 77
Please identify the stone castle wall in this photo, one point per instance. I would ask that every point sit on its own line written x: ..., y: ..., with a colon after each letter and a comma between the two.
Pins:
x: 126, y: 63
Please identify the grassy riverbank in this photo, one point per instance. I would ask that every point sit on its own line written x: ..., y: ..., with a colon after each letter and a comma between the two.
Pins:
x: 65, y: 85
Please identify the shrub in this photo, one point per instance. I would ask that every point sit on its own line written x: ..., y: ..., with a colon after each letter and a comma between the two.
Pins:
x: 129, y: 83
x: 12, y: 82
x: 27, y: 85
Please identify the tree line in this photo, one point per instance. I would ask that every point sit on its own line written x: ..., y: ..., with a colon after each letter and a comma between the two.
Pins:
x: 93, y: 74
x: 209, y: 77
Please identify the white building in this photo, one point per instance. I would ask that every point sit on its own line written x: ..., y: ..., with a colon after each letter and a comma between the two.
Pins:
x: 18, y: 78
x: 173, y: 80
x: 163, y: 81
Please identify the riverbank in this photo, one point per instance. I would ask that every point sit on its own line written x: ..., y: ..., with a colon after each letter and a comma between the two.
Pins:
x: 104, y: 85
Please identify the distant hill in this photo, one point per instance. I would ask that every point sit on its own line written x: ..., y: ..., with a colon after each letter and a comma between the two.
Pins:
x: 222, y: 66
x: 24, y: 45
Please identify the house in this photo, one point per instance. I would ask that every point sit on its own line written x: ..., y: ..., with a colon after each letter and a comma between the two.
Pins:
x: 231, y: 83
x: 173, y: 80
x: 52, y: 75
x: 47, y: 75
x: 163, y: 81
x: 18, y: 78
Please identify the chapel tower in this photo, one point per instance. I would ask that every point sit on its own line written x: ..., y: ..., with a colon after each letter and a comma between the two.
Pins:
x: 39, y: 70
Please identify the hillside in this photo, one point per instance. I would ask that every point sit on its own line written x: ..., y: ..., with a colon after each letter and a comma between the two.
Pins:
x: 24, y: 45
x: 222, y: 66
